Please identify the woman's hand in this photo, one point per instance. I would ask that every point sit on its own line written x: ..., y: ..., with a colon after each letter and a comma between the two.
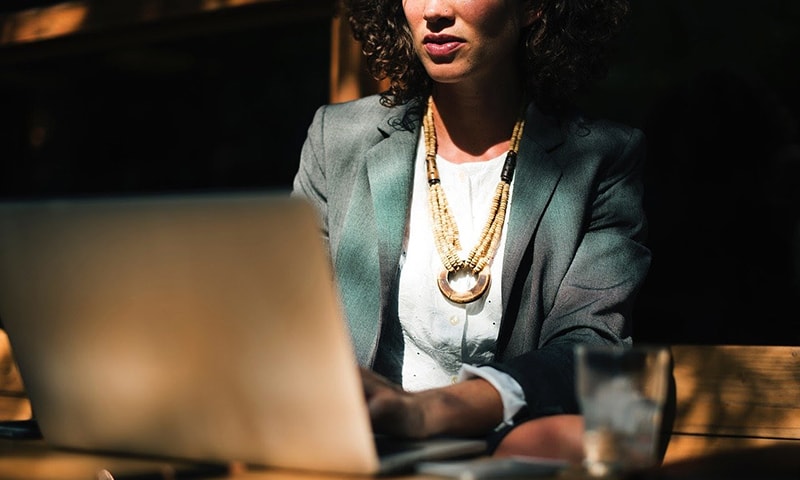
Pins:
x: 557, y: 436
x: 393, y: 411
x: 472, y: 407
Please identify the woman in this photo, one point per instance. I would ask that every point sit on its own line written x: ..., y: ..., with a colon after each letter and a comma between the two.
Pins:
x: 479, y: 227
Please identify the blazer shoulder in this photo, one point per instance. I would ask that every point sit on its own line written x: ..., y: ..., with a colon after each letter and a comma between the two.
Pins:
x: 363, y: 110
x: 581, y: 125
x: 601, y: 134
x: 363, y: 116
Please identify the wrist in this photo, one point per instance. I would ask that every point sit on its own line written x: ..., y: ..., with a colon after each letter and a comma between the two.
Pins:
x: 472, y: 407
x: 431, y: 405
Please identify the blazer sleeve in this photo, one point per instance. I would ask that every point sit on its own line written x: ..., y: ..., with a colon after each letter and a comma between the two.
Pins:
x: 594, y: 300
x: 310, y: 179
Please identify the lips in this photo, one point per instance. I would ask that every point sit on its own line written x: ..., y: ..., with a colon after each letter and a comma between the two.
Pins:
x: 441, y: 46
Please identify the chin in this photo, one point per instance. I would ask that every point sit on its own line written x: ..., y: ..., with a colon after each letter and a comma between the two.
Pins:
x: 446, y: 77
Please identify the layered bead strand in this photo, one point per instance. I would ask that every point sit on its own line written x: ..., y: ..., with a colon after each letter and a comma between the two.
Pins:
x: 445, y: 230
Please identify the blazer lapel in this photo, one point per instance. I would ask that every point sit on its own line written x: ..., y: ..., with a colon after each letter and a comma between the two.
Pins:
x: 535, y: 178
x: 373, y: 234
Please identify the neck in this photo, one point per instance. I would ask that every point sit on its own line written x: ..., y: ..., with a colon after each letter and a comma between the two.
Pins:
x: 473, y: 125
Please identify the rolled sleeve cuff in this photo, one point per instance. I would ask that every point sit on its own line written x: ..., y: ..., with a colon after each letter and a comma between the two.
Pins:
x: 510, y: 391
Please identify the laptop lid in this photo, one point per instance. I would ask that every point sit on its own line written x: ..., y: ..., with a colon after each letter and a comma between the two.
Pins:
x: 201, y: 327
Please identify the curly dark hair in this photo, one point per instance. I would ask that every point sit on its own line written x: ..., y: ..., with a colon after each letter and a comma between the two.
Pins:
x: 561, y: 53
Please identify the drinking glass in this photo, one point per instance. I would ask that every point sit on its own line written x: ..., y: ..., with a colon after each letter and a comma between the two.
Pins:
x: 621, y: 391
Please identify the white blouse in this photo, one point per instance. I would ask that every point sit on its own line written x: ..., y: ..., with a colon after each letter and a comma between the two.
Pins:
x: 443, y: 339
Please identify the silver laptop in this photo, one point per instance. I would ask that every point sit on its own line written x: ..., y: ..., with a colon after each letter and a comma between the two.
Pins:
x: 202, y: 327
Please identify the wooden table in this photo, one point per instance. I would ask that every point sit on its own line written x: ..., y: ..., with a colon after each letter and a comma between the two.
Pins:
x: 34, y: 460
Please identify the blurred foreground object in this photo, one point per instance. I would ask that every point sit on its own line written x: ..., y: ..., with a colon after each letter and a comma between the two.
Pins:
x: 14, y: 404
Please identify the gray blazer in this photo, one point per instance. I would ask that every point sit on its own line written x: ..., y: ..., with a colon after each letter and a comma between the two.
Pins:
x: 574, y: 257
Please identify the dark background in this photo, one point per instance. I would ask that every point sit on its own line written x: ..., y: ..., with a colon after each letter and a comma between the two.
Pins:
x: 712, y: 83
x: 171, y: 105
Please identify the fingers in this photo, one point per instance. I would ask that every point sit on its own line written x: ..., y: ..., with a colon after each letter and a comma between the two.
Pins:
x: 396, y: 413
x: 392, y: 410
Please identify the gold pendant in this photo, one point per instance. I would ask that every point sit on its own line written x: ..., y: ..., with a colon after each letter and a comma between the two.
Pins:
x: 470, y: 285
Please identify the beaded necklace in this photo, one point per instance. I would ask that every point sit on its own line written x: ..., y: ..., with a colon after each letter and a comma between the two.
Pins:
x: 468, y: 270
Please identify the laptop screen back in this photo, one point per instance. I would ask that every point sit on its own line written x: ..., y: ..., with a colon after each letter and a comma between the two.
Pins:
x: 204, y: 327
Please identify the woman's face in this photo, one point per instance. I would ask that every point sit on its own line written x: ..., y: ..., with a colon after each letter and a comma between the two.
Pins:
x: 467, y: 40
